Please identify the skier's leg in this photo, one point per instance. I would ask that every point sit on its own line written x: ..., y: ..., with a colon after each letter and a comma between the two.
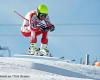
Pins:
x: 44, y: 43
x: 33, y: 40
x: 44, y: 39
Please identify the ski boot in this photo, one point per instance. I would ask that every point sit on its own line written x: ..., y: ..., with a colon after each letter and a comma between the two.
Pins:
x: 43, y: 50
x: 32, y: 49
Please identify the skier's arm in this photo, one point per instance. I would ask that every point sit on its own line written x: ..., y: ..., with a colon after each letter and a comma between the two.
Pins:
x: 50, y: 26
x: 32, y: 20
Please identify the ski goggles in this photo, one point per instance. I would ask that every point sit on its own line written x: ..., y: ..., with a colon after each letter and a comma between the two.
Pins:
x: 42, y: 15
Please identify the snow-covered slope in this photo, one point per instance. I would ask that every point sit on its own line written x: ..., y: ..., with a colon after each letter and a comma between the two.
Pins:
x: 27, y: 67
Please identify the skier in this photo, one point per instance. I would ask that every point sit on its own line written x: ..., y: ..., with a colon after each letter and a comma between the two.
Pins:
x: 37, y: 23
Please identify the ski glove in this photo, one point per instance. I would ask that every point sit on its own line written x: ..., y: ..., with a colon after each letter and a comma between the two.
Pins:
x: 51, y: 27
x: 47, y: 28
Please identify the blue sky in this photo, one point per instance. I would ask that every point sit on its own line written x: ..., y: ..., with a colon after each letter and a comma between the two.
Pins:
x: 77, y: 27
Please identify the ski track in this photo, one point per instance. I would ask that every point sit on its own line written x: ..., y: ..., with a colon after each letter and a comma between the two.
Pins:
x: 52, y: 68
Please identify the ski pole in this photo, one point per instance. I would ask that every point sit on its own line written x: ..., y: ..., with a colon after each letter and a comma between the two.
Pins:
x: 20, y: 15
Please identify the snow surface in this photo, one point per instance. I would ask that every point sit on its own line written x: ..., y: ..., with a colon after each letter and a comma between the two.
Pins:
x: 28, y: 67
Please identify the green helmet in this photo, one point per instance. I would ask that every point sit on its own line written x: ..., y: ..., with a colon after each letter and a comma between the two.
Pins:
x: 43, y: 9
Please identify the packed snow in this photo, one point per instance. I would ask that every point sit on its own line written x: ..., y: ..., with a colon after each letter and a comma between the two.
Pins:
x: 28, y: 67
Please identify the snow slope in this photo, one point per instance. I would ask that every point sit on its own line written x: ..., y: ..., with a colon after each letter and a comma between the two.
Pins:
x: 27, y: 67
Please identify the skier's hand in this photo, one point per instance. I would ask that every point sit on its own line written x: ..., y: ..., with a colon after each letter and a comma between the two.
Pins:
x: 51, y: 27
x: 25, y: 28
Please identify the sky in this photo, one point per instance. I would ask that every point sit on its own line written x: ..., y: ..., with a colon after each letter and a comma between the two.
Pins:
x: 77, y: 25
